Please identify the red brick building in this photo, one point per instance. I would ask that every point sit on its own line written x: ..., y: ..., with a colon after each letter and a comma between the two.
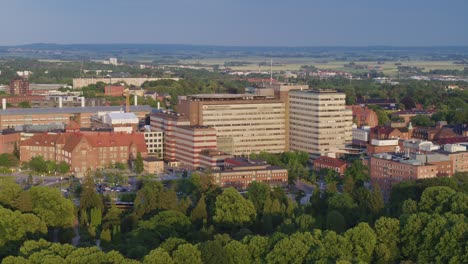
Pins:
x: 19, y: 86
x: 15, y: 100
x: 363, y: 116
x: 381, y: 133
x: 239, y: 173
x: 114, y: 90
x: 84, y: 151
x: 387, y: 169
x: 324, y: 162
x: 382, y: 145
x: 433, y: 133
x: 8, y: 139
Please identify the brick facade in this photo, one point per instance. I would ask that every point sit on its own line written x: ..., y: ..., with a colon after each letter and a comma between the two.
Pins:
x: 84, y: 151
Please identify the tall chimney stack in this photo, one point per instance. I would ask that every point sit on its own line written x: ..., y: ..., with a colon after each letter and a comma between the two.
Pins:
x: 60, y: 102
x: 3, y: 103
x: 158, y: 105
x: 82, y: 102
x: 136, y: 99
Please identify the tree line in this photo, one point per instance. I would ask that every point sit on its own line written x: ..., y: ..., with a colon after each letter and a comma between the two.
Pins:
x: 194, y: 221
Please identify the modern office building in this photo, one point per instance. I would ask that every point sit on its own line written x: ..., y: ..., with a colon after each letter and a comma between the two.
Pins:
x: 319, y: 123
x: 154, y: 142
x: 244, y: 123
x: 190, y: 141
x: 165, y: 122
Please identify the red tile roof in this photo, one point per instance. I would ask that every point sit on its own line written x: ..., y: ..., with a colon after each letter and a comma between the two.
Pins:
x: 96, y: 140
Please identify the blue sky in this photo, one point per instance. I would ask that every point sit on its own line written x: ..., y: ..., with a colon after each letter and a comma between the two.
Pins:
x: 236, y: 22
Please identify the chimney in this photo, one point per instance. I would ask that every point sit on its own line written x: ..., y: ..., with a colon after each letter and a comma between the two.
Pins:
x: 158, y: 105
x: 60, y: 102
x: 3, y: 103
x: 136, y: 99
x: 82, y: 102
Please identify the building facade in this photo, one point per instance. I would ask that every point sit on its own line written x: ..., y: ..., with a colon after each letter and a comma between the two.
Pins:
x: 213, y: 158
x: 244, y: 123
x: 388, y: 169
x: 319, y: 123
x: 190, y: 141
x: 240, y: 173
x: 165, y: 122
x: 363, y: 116
x: 324, y: 162
x: 153, y: 165
x: 114, y: 90
x: 8, y: 139
x: 459, y: 155
x: 19, y: 86
x: 154, y: 143
x: 83, y: 152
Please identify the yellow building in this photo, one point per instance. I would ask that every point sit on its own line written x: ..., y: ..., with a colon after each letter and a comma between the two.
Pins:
x: 244, y: 123
x: 319, y: 123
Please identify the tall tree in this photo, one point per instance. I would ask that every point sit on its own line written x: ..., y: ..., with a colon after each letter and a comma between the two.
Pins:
x: 187, y: 254
x: 16, y: 151
x: 9, y: 191
x: 158, y: 256
x: 232, y: 210
x: 139, y: 163
x: 199, y: 213
x: 387, y: 231
x: 257, y: 193
x: 52, y: 207
x: 237, y: 253
x: 436, y: 199
x: 363, y: 241
x: 293, y: 249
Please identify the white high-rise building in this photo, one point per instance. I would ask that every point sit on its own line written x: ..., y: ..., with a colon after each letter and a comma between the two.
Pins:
x: 319, y: 123
x: 113, y: 61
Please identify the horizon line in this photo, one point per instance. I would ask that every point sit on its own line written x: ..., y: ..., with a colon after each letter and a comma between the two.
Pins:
x: 246, y: 46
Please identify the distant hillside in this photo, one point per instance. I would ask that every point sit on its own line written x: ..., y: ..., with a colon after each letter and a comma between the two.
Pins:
x: 177, y: 51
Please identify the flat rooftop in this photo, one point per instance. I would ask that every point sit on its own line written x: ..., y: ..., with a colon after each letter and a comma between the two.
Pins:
x: 317, y: 91
x: 217, y: 97
x: 66, y: 110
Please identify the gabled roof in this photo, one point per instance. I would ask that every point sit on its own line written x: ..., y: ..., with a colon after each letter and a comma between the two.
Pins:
x: 73, y: 125
x: 96, y: 140
x: 72, y: 142
x: 42, y: 140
